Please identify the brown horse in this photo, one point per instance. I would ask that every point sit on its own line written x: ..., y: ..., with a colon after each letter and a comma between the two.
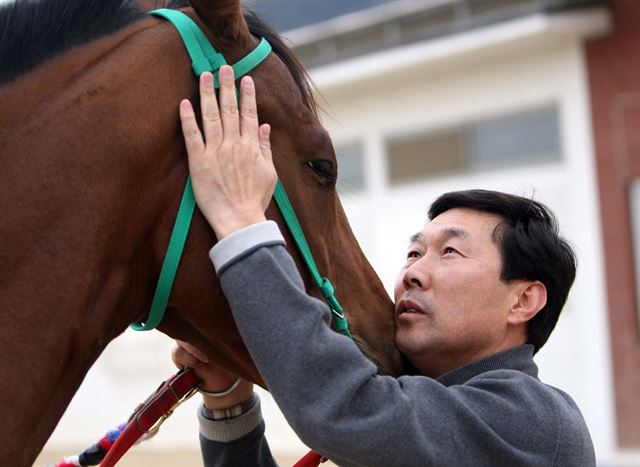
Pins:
x: 93, y: 167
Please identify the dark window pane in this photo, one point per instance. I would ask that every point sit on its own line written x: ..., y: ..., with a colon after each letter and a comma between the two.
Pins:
x: 350, y: 168
x: 423, y: 155
x: 512, y: 140
x: 518, y: 139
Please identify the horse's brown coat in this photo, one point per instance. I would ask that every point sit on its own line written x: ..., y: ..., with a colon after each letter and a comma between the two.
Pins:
x: 93, y: 167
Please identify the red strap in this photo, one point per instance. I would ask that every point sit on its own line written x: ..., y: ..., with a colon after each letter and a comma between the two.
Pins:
x: 158, y: 406
x: 127, y: 438
x: 310, y: 459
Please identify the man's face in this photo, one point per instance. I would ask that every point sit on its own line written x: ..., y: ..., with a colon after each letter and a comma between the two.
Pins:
x: 451, y: 306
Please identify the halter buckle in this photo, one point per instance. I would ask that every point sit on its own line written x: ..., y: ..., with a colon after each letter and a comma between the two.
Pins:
x: 171, y: 393
x: 336, y: 312
x: 156, y: 426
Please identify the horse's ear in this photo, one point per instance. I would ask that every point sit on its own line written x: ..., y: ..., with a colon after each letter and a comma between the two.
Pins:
x: 149, y: 5
x: 224, y: 18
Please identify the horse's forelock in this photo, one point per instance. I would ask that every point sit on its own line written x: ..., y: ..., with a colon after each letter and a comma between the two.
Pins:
x: 259, y: 28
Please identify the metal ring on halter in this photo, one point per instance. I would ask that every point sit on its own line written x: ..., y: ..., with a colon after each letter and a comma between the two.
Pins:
x: 226, y: 392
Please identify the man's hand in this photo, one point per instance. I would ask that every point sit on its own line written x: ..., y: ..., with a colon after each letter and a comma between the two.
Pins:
x: 214, y: 379
x: 233, y: 176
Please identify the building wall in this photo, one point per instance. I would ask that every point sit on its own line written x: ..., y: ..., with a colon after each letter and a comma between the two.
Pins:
x: 614, y: 83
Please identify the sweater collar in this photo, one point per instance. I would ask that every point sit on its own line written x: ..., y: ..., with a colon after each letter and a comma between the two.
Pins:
x: 518, y: 358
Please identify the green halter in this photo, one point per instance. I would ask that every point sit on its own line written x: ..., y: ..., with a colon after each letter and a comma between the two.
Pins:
x: 205, y: 58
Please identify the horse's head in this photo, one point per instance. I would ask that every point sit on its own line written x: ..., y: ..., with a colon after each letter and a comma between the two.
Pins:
x: 306, y: 163
x: 93, y: 168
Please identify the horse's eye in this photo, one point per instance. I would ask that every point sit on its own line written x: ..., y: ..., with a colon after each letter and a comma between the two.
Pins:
x: 323, y: 168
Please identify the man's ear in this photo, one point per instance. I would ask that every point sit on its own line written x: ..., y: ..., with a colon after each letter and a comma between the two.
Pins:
x: 531, y: 298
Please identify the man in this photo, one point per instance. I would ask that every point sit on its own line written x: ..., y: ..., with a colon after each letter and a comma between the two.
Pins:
x: 480, y: 292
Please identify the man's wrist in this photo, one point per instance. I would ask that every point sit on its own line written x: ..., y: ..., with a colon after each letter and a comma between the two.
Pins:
x: 244, y: 240
x: 243, y: 393
x: 224, y: 227
x: 225, y: 429
x: 232, y: 411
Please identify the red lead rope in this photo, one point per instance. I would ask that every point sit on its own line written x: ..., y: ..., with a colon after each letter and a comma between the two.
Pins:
x: 149, y: 415
x: 310, y: 459
x: 146, y: 420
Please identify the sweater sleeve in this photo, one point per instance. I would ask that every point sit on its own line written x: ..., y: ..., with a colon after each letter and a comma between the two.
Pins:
x: 339, y: 406
x: 237, y: 441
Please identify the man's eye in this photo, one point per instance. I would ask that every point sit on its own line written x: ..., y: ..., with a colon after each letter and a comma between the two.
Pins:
x: 448, y: 250
x: 413, y: 254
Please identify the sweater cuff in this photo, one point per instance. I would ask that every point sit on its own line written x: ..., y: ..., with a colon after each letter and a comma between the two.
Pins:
x: 244, y: 241
x: 225, y: 431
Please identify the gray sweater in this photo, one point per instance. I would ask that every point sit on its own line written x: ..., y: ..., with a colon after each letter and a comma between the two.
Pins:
x: 491, y: 412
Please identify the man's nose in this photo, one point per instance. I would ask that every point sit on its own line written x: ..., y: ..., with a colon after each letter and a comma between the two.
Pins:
x: 416, y: 275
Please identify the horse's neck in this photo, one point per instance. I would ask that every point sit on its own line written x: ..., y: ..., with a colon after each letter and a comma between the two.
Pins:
x: 83, y: 189
x: 55, y: 75
x: 85, y: 157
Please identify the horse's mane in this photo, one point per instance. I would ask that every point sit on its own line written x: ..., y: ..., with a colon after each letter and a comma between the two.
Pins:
x: 31, y: 31
x: 261, y: 29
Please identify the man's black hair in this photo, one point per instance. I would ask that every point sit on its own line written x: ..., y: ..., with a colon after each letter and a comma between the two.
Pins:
x: 531, y: 249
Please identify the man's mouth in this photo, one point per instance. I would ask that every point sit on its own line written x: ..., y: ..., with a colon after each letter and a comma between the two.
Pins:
x: 409, y: 310
x: 406, y: 306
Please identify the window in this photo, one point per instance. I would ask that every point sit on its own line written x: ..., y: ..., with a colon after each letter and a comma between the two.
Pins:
x: 423, y: 155
x: 519, y: 139
x: 350, y: 168
x: 510, y: 140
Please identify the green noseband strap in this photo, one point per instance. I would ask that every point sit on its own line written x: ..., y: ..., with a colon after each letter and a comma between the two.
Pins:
x: 326, y: 288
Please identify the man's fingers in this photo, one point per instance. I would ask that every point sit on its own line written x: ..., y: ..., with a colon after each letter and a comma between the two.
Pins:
x: 193, y: 351
x: 264, y: 134
x: 192, y: 136
x: 228, y: 103
x: 248, y: 109
x: 181, y: 358
x: 211, y: 122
